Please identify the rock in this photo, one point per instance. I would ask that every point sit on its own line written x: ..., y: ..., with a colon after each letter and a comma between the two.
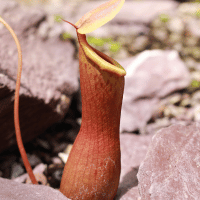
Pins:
x: 186, y: 100
x: 54, y: 174
x: 17, y: 170
x: 140, y: 43
x: 170, y: 169
x: 152, y: 128
x: 131, y: 11
x: 175, y: 99
x: 175, y: 38
x: 195, y: 75
x: 6, y: 163
x: 188, y: 8
x: 133, y: 151
x: 197, y: 113
x: 191, y: 63
x: 175, y: 111
x: 178, y: 29
x: 38, y: 170
x: 49, y: 75
x: 160, y: 34
x: 12, y: 190
x: 150, y: 77
x: 191, y: 41
x: 33, y: 159
x: 56, y: 160
x: 131, y: 194
x: 176, y: 25
x: 195, y: 98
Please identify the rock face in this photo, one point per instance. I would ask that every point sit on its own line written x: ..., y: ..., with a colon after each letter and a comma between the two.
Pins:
x: 133, y: 151
x: 152, y: 75
x: 171, y: 167
x: 49, y: 75
x: 11, y: 190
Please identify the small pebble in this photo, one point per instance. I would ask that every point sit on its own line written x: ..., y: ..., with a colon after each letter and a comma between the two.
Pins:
x: 63, y: 156
x: 17, y: 170
x: 56, y: 160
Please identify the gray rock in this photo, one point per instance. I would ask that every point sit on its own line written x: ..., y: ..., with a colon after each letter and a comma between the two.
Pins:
x: 151, y: 76
x: 11, y: 190
x: 17, y: 170
x: 49, y: 75
x: 171, y: 167
x: 33, y: 159
x: 139, y: 44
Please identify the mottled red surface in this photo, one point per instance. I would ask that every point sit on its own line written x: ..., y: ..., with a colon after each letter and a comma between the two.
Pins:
x: 93, y: 168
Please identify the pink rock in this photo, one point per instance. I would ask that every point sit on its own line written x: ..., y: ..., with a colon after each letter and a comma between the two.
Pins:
x: 171, y: 167
x: 150, y: 76
x: 49, y: 75
x: 133, y: 151
x: 131, y: 194
x: 11, y: 190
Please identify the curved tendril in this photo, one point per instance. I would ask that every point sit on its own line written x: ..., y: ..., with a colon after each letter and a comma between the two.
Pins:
x: 16, y: 107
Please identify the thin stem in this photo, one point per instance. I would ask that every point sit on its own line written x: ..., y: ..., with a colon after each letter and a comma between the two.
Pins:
x: 16, y: 107
x: 70, y: 24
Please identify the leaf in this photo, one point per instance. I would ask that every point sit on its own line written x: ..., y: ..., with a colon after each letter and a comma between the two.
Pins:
x: 99, y: 16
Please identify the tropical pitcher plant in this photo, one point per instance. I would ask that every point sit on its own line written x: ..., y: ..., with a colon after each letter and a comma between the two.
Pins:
x: 93, y: 168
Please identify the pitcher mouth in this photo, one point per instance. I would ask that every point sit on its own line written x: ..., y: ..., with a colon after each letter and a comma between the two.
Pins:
x: 104, y: 62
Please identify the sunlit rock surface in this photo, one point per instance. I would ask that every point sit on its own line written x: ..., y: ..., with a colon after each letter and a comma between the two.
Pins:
x: 171, y: 167
x: 151, y: 75
x: 49, y: 75
x: 11, y: 190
